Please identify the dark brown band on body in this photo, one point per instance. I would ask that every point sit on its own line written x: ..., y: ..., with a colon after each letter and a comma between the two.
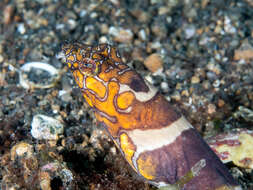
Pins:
x: 137, y: 84
x: 173, y: 161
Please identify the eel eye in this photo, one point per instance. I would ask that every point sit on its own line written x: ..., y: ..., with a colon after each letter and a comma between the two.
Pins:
x: 88, y: 67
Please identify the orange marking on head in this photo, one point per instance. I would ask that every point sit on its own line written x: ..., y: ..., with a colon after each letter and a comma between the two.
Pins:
x: 79, y: 55
x: 125, y: 99
x: 96, y: 86
x: 114, y: 55
x: 105, y: 52
x: 75, y: 65
x: 127, y: 147
x: 68, y: 51
x: 71, y: 58
x: 69, y: 64
x: 96, y: 56
x: 147, y: 167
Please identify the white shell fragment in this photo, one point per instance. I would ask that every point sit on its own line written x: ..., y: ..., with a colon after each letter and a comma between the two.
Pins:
x: 235, y: 146
x: 44, y: 127
x: 40, y: 67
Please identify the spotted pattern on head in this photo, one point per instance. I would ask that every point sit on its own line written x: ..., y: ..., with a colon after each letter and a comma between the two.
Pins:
x: 113, y: 88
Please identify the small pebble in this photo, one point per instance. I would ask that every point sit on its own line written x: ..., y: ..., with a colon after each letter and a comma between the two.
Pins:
x: 221, y: 103
x: 153, y: 63
x: 21, y: 28
x: 103, y: 39
x: 44, y: 127
x: 7, y: 14
x: 21, y: 149
x: 185, y: 93
x: 163, y: 10
x: 243, y: 54
x: 176, y: 96
x: 2, y: 81
x: 216, y: 83
x: 142, y: 35
x: 1, y: 58
x: 55, y: 170
x: 195, y: 80
x: 164, y: 86
x: 104, y: 28
x: 121, y: 35
x: 44, y: 179
x: 190, y: 31
x: 214, y: 68
x: 250, y: 2
x: 228, y: 27
x: 211, y: 108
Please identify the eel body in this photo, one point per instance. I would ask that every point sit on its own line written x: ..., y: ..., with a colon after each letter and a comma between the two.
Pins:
x: 159, y: 143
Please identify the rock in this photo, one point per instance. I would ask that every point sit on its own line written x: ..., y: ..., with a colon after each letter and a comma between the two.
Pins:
x: 221, y: 103
x: 21, y: 28
x: 190, y: 31
x: 8, y: 14
x: 142, y: 35
x: 2, y: 80
x: 44, y: 127
x: 245, y: 52
x: 1, y: 58
x: 21, y: 149
x: 195, y: 80
x: 244, y: 113
x: 211, y: 108
x: 185, y: 93
x: 228, y: 27
x: 153, y: 63
x: 164, y: 86
x: 250, y: 2
x: 121, y: 35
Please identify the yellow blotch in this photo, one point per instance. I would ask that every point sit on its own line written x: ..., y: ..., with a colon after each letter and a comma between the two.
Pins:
x: 127, y: 147
x: 105, y: 52
x: 146, y: 167
x: 96, y: 56
x: 78, y: 56
x: 78, y: 78
x: 125, y: 100
x: 68, y: 51
x: 109, y: 107
x: 71, y: 58
x: 96, y: 86
x: 96, y: 69
x: 75, y: 65
x: 69, y: 64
